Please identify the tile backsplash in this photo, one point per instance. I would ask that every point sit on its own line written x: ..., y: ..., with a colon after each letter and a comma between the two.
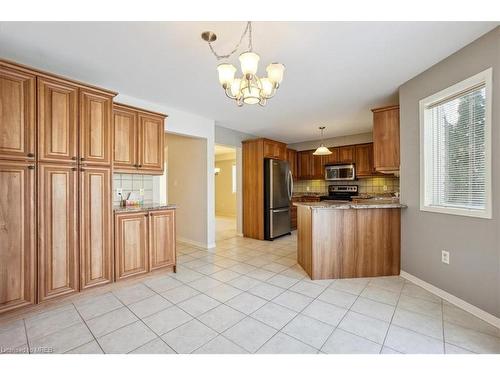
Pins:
x: 366, y: 185
x: 132, y: 183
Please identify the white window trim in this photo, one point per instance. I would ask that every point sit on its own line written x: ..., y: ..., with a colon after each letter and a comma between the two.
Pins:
x: 483, y: 77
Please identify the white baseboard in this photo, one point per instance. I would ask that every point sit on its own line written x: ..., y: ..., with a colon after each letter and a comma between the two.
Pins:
x: 195, y: 243
x: 476, y: 311
x: 239, y: 234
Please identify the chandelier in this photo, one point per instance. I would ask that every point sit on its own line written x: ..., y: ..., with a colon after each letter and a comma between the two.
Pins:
x: 322, y: 150
x: 250, y: 88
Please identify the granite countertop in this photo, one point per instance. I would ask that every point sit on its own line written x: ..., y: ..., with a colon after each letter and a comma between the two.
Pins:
x: 145, y: 207
x: 335, y: 205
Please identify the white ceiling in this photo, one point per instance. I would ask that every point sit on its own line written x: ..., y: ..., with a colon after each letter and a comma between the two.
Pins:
x: 335, y: 71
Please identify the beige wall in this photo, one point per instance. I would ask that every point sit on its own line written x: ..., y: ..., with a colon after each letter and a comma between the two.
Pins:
x: 225, y: 199
x: 187, y: 181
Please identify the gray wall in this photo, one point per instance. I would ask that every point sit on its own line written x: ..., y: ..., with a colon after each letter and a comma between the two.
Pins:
x: 334, y: 142
x: 473, y: 272
x: 230, y: 137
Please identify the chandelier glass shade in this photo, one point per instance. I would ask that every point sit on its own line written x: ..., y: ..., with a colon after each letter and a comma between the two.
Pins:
x: 249, y: 88
x: 322, y: 150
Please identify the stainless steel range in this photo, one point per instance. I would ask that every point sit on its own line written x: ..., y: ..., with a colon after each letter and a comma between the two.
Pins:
x: 340, y: 192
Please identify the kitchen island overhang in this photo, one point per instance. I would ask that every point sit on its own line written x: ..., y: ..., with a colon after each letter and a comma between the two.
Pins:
x: 346, y: 240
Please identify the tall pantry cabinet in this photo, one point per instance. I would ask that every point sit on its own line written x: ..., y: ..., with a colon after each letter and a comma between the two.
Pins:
x: 55, y: 186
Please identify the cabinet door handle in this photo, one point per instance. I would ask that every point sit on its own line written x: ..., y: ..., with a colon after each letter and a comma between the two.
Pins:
x: 82, y: 159
x: 31, y: 155
x: 73, y: 158
x: 140, y: 165
x: 74, y: 169
x: 31, y: 167
x: 146, y: 215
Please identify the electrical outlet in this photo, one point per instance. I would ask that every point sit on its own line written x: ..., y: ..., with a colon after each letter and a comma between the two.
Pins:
x: 141, y: 191
x: 445, y: 257
x: 385, y: 187
x: 308, y: 188
x: 119, y: 193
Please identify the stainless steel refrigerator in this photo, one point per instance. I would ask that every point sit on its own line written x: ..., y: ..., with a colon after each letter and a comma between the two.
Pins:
x: 278, y: 186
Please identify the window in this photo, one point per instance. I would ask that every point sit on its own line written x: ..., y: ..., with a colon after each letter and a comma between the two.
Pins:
x: 455, y: 148
x: 233, y: 176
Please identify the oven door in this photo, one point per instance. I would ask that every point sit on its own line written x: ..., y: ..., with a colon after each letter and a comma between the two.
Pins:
x: 344, y: 172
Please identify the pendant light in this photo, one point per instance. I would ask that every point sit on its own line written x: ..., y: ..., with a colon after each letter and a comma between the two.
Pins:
x: 322, y: 150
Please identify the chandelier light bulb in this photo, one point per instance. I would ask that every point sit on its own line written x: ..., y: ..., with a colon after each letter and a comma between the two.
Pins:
x: 226, y: 74
x: 249, y: 63
x: 275, y: 72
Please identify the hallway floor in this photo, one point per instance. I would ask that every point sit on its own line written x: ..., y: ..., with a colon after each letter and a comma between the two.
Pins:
x: 249, y: 296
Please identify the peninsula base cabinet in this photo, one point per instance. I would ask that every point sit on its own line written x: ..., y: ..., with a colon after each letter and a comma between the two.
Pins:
x: 144, y: 241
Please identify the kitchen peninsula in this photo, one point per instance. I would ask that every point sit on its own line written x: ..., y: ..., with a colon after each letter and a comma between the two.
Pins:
x: 345, y: 240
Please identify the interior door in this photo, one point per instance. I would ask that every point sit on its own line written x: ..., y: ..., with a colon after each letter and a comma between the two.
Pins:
x: 151, y: 133
x: 57, y: 230
x: 57, y: 121
x: 96, y: 247
x: 95, y: 127
x: 131, y: 244
x: 17, y: 235
x: 17, y: 115
x: 161, y: 238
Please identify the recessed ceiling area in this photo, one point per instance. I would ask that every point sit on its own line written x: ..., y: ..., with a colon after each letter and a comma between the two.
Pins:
x: 224, y: 150
x: 335, y: 71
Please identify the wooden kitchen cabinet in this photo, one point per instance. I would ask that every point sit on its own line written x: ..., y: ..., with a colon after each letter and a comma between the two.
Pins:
x: 57, y: 121
x: 17, y: 235
x: 305, y: 165
x: 139, y: 140
x: 17, y: 114
x: 291, y: 157
x: 95, y: 127
x: 274, y: 149
x: 96, y: 227
x: 131, y: 244
x: 346, y: 154
x: 161, y: 239
x: 58, y: 272
x: 125, y: 138
x: 386, y: 139
x: 144, y: 241
x: 333, y: 158
x: 363, y: 158
x: 151, y: 139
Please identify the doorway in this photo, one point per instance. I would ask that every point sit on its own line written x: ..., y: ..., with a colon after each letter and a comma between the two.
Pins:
x: 226, y: 190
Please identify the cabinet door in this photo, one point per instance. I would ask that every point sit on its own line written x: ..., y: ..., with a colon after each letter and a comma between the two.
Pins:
x: 364, y: 159
x: 17, y: 235
x: 333, y: 158
x: 125, y: 138
x: 95, y: 227
x: 151, y: 134
x: 161, y: 239
x: 304, y: 164
x: 291, y: 156
x: 57, y: 121
x: 95, y: 127
x: 386, y: 139
x: 318, y: 169
x: 346, y: 154
x: 57, y: 230
x: 17, y: 115
x: 131, y: 244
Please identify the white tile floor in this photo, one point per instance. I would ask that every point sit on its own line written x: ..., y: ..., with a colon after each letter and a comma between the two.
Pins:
x: 249, y: 296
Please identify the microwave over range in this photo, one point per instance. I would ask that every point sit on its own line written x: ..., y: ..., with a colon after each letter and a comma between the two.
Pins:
x: 340, y: 172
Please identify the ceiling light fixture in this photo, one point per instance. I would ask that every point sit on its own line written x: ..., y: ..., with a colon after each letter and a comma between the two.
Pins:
x: 322, y: 150
x: 249, y: 89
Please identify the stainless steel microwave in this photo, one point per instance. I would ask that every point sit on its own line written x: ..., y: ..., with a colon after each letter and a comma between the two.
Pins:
x: 340, y: 172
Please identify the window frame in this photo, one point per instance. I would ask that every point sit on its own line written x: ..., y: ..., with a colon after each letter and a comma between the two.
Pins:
x: 484, y: 77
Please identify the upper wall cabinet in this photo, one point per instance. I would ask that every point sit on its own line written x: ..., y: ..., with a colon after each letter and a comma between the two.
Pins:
x: 139, y: 140
x: 95, y: 127
x: 346, y: 154
x: 57, y: 121
x: 386, y: 139
x: 363, y: 157
x: 291, y: 157
x: 274, y: 149
x: 17, y: 114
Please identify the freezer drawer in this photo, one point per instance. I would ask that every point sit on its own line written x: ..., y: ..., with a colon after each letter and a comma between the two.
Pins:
x: 278, y: 222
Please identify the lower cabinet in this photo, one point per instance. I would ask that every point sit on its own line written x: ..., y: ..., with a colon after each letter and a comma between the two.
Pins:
x: 144, y: 241
x: 58, y: 271
x: 17, y: 235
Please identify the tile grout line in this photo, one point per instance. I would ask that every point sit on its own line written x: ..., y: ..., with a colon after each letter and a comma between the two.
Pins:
x: 92, y: 333
x: 392, y: 317
x: 26, y: 335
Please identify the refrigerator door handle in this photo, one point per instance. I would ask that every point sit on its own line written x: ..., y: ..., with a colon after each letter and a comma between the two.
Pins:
x: 290, y: 185
x: 281, y: 210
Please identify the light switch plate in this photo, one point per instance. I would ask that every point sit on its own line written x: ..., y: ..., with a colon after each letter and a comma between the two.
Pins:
x: 141, y: 191
x: 445, y: 257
